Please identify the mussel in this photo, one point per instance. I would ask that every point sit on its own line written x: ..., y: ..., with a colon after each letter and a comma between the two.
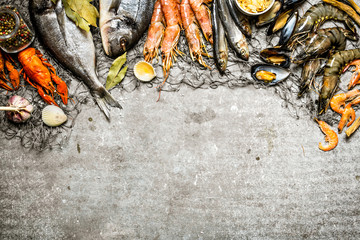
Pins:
x: 275, y: 56
x: 291, y: 4
x: 280, y: 22
x: 270, y: 15
x: 288, y: 29
x: 269, y: 74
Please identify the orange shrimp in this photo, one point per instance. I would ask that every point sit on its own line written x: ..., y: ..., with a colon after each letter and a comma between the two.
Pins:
x: 155, y: 33
x: 330, y: 136
x: 337, y: 103
x: 202, y: 14
x: 355, y: 78
x: 192, y: 32
x: 169, y: 49
x: 347, y: 117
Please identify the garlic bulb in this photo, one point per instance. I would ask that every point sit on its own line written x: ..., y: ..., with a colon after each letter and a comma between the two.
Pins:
x: 53, y: 116
x: 18, y: 109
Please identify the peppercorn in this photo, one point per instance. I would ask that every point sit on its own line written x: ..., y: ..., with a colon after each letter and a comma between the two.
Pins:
x: 14, y: 32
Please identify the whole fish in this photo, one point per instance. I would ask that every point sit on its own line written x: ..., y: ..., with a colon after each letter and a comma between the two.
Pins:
x: 71, y: 46
x: 236, y: 38
x: 240, y: 19
x: 122, y: 23
x: 221, y: 51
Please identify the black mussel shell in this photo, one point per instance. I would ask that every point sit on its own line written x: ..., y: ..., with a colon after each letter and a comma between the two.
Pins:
x: 280, y: 73
x: 270, y: 15
x: 280, y: 22
x: 291, y: 4
x: 288, y: 29
x: 276, y: 56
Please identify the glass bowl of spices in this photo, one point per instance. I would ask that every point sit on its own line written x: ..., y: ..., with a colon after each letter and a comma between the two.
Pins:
x: 15, y: 35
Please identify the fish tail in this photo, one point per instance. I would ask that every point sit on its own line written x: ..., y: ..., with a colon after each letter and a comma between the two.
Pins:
x: 104, y: 99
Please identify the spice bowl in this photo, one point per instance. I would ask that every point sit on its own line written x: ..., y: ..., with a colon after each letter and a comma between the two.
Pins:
x: 15, y: 35
x: 244, y: 8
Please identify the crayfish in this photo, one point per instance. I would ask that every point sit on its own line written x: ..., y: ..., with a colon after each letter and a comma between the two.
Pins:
x: 39, y: 73
x: 14, y: 76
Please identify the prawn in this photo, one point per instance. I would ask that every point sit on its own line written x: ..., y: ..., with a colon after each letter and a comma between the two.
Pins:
x: 192, y: 32
x: 155, y: 33
x: 322, y: 41
x: 330, y: 136
x: 348, y: 117
x: 355, y: 78
x: 169, y: 49
x: 202, y: 14
x: 331, y: 77
x: 337, y: 103
x: 314, y: 17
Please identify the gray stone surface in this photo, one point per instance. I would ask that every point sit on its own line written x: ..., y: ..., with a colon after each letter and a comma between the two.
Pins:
x: 196, y: 165
x: 199, y: 164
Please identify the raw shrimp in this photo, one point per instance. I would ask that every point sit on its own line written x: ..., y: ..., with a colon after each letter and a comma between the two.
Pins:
x: 169, y: 50
x: 192, y: 33
x: 155, y: 33
x: 202, y: 14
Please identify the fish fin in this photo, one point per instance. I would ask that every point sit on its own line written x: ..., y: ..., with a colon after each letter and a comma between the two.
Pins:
x: 103, y: 99
x: 103, y: 107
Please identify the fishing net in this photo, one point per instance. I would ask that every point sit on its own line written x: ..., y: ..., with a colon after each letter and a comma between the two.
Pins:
x: 185, y: 73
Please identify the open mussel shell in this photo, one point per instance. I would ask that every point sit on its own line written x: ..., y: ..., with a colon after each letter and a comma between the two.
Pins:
x: 276, y: 56
x: 269, y: 74
x: 53, y: 116
x: 144, y: 71
x: 288, y: 29
x: 270, y: 15
x: 280, y: 22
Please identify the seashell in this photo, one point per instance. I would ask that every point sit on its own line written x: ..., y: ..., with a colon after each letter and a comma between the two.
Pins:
x: 269, y: 74
x: 53, y: 116
x: 144, y: 71
x: 275, y: 56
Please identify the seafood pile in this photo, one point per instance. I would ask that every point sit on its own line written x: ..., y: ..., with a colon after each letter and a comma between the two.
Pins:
x: 321, y: 51
x: 190, y: 37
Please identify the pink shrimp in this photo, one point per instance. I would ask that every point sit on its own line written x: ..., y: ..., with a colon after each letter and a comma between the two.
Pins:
x: 355, y: 78
x: 330, y: 136
x: 202, y: 14
x: 192, y: 32
x: 347, y: 117
x: 155, y: 33
x: 337, y: 103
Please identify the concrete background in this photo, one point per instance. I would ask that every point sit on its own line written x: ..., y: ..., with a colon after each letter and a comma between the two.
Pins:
x: 199, y: 164
x: 196, y: 165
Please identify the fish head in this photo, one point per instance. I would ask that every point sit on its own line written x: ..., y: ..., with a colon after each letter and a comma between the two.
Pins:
x: 117, y: 37
x: 243, y: 50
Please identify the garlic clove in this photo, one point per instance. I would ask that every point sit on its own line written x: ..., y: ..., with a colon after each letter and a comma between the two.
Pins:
x: 53, y: 116
x: 144, y: 71
x: 19, y: 109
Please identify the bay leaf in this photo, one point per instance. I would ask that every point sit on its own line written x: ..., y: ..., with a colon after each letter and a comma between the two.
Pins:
x: 114, y: 71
